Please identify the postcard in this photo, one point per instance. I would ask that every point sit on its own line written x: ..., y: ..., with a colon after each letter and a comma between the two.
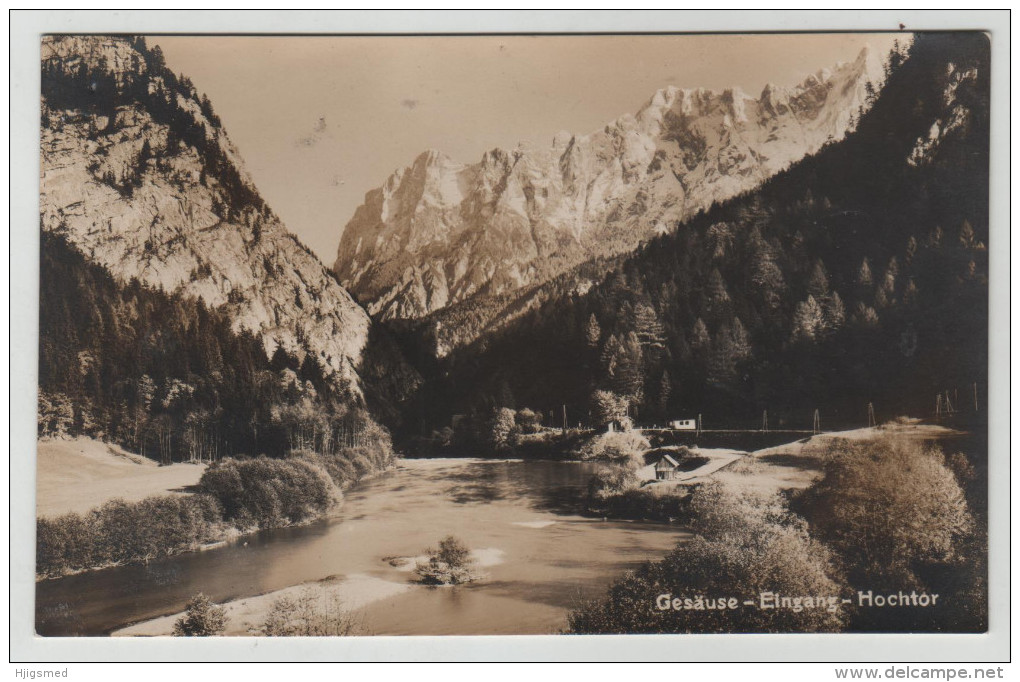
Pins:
x: 357, y: 336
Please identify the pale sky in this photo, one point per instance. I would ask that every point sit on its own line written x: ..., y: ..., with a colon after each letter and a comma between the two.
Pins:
x: 320, y: 121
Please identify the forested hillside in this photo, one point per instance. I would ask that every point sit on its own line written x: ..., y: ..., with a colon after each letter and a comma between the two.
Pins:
x: 858, y: 276
x: 166, y: 376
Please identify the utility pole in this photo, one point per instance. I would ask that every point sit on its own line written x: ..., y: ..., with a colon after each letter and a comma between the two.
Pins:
x: 816, y: 427
x: 871, y: 415
x: 699, y: 424
x: 765, y: 421
x: 564, y: 419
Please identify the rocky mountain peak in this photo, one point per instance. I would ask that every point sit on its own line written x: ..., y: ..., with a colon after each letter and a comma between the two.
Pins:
x: 105, y: 54
x: 431, y: 157
x: 562, y: 139
x: 519, y: 217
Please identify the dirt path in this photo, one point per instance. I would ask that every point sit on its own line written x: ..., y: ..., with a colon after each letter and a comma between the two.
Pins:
x: 718, y: 459
x: 816, y: 444
x: 794, y: 465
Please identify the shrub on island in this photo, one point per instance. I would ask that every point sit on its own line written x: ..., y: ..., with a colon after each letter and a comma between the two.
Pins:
x: 450, y: 564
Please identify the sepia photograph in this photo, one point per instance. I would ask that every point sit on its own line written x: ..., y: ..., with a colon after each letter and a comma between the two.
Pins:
x: 521, y: 334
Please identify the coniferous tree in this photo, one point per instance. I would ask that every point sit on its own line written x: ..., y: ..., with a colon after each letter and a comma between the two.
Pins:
x: 966, y: 237
x: 808, y: 320
x: 766, y: 276
x: 592, y: 332
x: 864, y: 277
x: 699, y: 335
x: 665, y: 391
x: 818, y: 283
x: 648, y: 328
x: 833, y: 313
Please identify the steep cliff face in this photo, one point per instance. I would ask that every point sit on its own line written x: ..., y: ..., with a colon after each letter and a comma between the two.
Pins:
x: 439, y: 232
x: 955, y: 115
x: 138, y: 174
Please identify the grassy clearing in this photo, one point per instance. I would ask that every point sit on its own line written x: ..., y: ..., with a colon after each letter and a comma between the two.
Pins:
x: 77, y: 475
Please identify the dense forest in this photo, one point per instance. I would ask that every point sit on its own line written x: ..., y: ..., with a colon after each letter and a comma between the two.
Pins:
x: 165, y: 376
x: 858, y: 276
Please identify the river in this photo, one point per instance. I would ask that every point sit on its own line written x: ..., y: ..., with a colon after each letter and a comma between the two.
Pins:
x: 524, y: 513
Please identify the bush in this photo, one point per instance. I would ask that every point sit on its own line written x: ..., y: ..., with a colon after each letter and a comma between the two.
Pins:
x: 502, y: 426
x: 56, y: 415
x: 338, y: 467
x: 607, y: 406
x: 529, y: 420
x: 201, y: 618
x: 122, y: 532
x: 961, y: 467
x: 66, y: 543
x: 623, y: 446
x: 350, y: 464
x: 652, y: 503
x: 308, y: 615
x: 610, y: 479
x: 448, y: 565
x: 744, y: 545
x: 895, y: 515
x: 453, y: 552
x: 268, y: 493
x: 363, y: 465
x: 888, y: 506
